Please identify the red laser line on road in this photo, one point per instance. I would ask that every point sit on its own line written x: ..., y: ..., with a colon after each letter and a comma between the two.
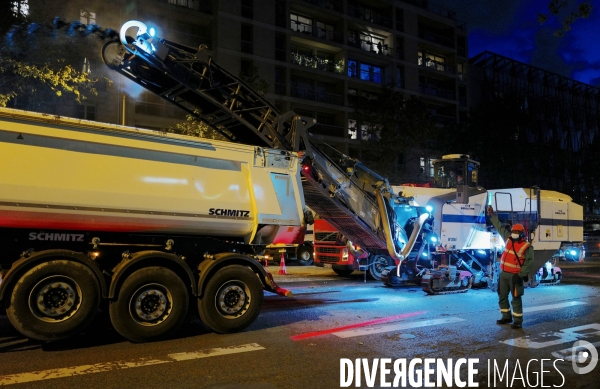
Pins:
x: 357, y: 325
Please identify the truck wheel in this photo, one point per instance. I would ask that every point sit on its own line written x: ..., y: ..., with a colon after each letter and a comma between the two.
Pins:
x: 343, y: 272
x: 232, y: 299
x: 377, y: 266
x: 152, y: 303
x: 54, y: 300
x: 305, y: 255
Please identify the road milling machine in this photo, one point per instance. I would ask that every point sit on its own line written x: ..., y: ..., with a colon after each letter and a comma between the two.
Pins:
x: 143, y: 223
x: 468, y: 242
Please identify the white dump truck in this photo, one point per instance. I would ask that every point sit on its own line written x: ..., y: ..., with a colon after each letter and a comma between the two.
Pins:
x: 147, y: 220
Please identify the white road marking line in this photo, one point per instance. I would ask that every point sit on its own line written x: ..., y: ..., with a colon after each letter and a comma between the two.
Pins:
x: 215, y: 352
x: 120, y: 365
x: 395, y: 327
x: 552, y: 306
x: 566, y: 335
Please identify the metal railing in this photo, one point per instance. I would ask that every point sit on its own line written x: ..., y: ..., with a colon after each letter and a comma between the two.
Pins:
x: 334, y: 5
x: 445, y: 120
x: 435, y: 38
x: 438, y: 10
x: 370, y: 46
x: 317, y: 63
x: 314, y: 95
x: 369, y: 16
x: 433, y: 90
x: 309, y: 29
x: 436, y: 65
x: 196, y: 5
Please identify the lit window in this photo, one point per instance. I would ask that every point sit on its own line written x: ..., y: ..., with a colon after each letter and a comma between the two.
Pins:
x: 21, y: 8
x: 352, y: 131
x: 87, y: 17
x: 301, y: 24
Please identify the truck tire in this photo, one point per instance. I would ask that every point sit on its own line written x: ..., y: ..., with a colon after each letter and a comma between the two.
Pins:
x: 152, y: 303
x: 305, y: 255
x: 232, y: 299
x: 343, y: 272
x: 377, y: 265
x: 54, y: 300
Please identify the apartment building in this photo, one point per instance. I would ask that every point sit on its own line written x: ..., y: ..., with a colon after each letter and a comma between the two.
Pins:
x: 315, y: 55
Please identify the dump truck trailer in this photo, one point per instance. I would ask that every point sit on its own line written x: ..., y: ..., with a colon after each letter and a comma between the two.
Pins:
x: 146, y: 220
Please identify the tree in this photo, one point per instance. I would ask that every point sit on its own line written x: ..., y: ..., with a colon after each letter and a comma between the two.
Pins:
x: 390, y: 125
x: 569, y: 11
x: 32, y: 76
x: 250, y: 76
x: 194, y: 127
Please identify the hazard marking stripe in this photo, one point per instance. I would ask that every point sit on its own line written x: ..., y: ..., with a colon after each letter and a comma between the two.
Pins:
x: 120, y: 365
x: 552, y: 306
x: 396, y: 327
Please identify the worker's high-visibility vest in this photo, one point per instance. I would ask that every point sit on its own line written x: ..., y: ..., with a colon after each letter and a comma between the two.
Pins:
x: 510, y: 262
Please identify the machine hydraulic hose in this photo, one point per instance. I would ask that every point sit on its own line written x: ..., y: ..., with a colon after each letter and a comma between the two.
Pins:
x: 387, y: 229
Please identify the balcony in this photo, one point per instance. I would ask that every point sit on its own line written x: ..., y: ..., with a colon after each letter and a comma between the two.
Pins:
x: 317, y: 63
x: 370, y: 46
x: 435, y: 65
x: 438, y: 10
x: 314, y: 95
x: 433, y: 90
x: 369, y: 15
x: 328, y: 130
x: 334, y: 5
x: 196, y: 5
x: 320, y: 33
x: 435, y: 38
x: 445, y: 120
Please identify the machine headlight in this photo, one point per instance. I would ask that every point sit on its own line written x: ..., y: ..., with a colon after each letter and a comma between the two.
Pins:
x: 429, y: 208
x: 573, y: 252
x: 345, y: 254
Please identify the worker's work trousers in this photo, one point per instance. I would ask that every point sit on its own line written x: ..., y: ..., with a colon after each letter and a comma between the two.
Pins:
x: 511, y: 284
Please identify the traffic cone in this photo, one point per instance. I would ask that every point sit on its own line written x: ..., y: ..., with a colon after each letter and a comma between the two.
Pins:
x: 282, y: 269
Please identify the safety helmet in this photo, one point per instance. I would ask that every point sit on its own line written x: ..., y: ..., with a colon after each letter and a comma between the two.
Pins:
x: 518, y: 227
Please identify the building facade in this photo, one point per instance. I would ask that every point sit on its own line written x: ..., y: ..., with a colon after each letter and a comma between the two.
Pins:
x: 560, y: 119
x: 314, y: 56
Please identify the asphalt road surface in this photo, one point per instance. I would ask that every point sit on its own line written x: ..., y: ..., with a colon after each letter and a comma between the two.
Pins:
x: 300, y: 342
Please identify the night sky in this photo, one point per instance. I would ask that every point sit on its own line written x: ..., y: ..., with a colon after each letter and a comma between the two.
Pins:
x: 510, y: 28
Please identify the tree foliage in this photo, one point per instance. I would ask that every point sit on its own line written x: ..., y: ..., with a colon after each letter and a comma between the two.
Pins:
x: 567, y: 10
x: 194, y: 127
x: 391, y: 124
x: 254, y: 81
x: 32, y: 74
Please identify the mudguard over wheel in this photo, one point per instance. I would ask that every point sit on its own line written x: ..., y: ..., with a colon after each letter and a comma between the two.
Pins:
x: 152, y: 303
x: 54, y: 300
x: 232, y: 299
x: 305, y: 255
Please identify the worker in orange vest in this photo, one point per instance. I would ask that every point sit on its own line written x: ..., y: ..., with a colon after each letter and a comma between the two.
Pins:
x: 515, y: 264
